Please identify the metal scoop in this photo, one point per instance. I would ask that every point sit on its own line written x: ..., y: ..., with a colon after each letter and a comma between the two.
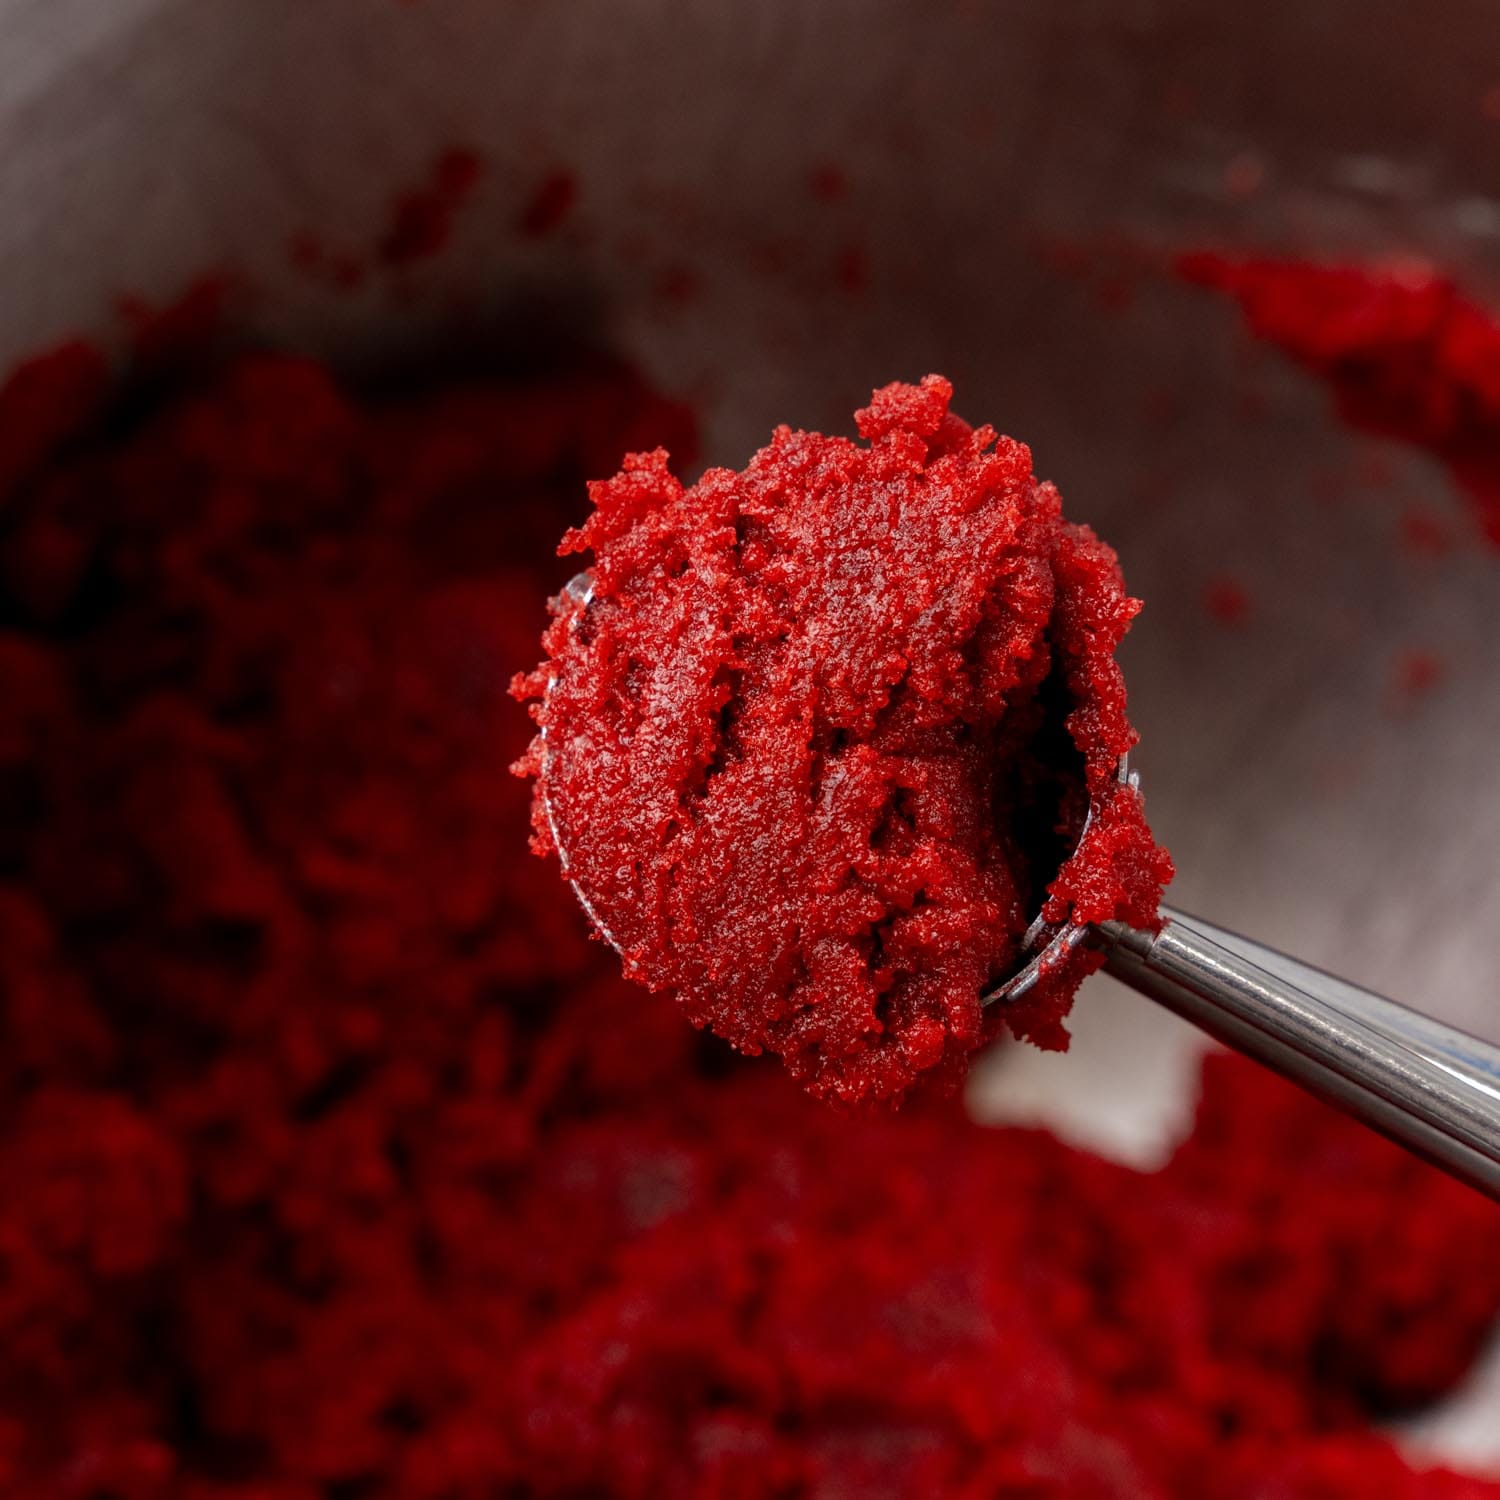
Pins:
x: 1425, y: 1084
x: 1431, y: 1087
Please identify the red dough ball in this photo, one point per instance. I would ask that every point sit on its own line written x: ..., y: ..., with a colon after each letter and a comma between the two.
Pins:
x: 821, y: 733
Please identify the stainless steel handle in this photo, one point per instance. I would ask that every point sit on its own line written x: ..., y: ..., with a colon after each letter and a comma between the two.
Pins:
x: 1433, y: 1088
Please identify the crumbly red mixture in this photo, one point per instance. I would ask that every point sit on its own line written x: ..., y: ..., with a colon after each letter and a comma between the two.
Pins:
x: 1406, y: 353
x: 809, y: 744
x: 339, y: 1165
x: 793, y: 1300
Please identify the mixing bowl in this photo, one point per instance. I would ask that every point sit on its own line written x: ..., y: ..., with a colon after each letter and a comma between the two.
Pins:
x: 772, y: 208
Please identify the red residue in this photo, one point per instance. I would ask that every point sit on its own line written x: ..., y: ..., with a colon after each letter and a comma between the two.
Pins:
x: 306, y: 252
x: 338, y: 1163
x: 828, y: 183
x: 320, y: 263
x: 1227, y: 600
x: 851, y: 270
x: 678, y: 286
x: 1406, y: 354
x: 1245, y: 175
x: 1110, y: 267
x: 1416, y: 673
x: 550, y: 205
x: 347, y: 272
x: 422, y: 218
x: 1425, y: 533
x: 1115, y: 290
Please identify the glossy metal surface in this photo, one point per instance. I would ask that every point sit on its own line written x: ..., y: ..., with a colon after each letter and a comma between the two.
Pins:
x: 1427, y: 1085
x: 1045, y: 945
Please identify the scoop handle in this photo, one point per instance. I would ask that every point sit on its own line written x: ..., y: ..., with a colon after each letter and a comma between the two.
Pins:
x: 1429, y: 1086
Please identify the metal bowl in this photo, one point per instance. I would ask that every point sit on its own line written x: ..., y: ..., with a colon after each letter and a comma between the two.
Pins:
x: 781, y: 205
